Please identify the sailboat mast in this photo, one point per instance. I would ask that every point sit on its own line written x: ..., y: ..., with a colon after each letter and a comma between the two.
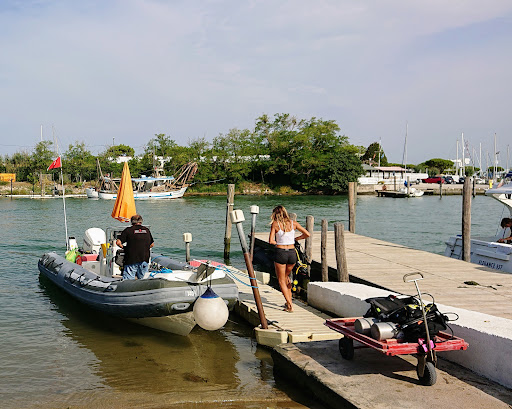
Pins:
x: 404, y: 156
x: 495, y: 160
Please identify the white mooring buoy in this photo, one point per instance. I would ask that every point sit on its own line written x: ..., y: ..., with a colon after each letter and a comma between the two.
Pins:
x: 210, y: 311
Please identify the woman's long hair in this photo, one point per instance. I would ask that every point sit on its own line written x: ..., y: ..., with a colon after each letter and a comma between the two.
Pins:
x: 280, y: 215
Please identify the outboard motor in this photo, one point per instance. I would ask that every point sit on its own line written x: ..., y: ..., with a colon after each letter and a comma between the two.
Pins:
x: 93, y: 239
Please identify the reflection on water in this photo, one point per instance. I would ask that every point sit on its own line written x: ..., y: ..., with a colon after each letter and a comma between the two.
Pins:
x: 133, y: 360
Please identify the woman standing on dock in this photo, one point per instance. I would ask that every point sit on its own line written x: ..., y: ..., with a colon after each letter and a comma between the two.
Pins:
x: 282, y: 235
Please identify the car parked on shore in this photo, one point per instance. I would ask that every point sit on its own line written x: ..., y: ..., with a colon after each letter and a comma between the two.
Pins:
x: 434, y: 179
x: 448, y: 179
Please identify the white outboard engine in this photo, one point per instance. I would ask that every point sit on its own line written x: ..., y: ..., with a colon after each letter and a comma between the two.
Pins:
x: 93, y: 239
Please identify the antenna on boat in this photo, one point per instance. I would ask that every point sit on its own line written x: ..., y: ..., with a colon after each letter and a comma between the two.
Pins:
x: 63, y: 189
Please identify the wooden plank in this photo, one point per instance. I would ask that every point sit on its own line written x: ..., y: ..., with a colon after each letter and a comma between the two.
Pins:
x: 384, y: 264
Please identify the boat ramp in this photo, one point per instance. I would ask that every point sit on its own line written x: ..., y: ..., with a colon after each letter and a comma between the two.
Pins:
x: 372, y: 379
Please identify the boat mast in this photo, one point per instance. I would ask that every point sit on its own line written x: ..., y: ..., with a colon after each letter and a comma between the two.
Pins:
x: 404, y: 156
x: 457, y: 168
x: 380, y: 143
x: 463, y: 166
x: 495, y: 160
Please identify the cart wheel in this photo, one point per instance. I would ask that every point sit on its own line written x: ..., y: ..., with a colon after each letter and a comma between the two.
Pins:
x: 429, y: 374
x: 346, y: 346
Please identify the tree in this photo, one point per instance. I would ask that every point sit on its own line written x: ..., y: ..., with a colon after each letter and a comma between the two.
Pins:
x: 298, y: 148
x: 440, y: 164
x: 119, y: 150
x: 371, y: 156
x: 80, y: 163
x: 342, y: 167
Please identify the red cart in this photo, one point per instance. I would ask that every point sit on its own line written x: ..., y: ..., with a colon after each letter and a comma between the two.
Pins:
x: 427, y: 360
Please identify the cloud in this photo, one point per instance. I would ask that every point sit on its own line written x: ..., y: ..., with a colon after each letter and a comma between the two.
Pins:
x: 130, y: 69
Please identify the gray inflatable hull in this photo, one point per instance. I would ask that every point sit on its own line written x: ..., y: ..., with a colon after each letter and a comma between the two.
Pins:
x: 155, y: 297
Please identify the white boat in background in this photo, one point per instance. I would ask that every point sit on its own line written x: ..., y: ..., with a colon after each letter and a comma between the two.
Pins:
x: 486, y: 251
x: 157, y: 187
x: 413, y: 192
x: 91, y: 193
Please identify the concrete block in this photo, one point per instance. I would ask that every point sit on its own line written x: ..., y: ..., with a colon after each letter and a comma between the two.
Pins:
x: 270, y: 337
x: 343, y: 299
x: 490, y: 341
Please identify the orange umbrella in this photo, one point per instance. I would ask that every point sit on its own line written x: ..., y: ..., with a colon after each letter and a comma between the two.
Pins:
x: 124, y: 208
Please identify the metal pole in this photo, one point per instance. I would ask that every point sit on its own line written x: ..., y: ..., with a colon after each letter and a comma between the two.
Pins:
x: 64, y: 205
x: 254, y: 212
x: 237, y: 217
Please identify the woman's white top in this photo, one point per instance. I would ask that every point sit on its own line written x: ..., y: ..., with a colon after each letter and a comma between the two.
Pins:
x: 285, y: 238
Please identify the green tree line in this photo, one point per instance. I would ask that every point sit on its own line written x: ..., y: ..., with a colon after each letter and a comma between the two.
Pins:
x: 309, y: 155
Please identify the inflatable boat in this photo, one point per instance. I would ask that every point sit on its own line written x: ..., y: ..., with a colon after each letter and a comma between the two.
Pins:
x: 164, y: 299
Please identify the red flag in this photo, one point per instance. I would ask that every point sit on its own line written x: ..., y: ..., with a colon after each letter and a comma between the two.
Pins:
x: 56, y: 164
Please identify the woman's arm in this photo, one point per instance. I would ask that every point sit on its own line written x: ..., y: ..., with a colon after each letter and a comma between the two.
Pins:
x: 305, y: 234
x: 272, y: 236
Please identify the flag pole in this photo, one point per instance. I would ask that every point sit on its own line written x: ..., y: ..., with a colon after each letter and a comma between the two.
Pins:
x: 64, y: 205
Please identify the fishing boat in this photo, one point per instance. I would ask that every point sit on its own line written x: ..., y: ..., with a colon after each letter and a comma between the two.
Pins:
x: 154, y: 187
x: 173, y: 296
x: 486, y: 251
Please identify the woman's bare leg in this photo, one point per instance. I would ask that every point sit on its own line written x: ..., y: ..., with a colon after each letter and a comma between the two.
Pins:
x: 284, y: 284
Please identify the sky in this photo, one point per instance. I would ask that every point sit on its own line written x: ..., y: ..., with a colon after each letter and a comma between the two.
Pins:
x: 120, y: 71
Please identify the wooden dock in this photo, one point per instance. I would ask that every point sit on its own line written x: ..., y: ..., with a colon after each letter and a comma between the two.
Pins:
x: 302, y: 325
x: 383, y: 264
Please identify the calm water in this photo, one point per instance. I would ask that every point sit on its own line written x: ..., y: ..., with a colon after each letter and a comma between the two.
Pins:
x: 54, y: 353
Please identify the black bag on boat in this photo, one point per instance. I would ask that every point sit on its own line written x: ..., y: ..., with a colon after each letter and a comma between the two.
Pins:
x: 119, y: 258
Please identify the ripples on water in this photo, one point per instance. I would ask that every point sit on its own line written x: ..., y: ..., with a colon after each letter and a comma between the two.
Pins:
x: 55, y: 353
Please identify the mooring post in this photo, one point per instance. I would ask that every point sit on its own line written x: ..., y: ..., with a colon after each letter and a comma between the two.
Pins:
x: 310, y: 227
x: 323, y: 251
x: 187, y: 238
x: 441, y: 188
x: 466, y: 220
x: 394, y: 183
x: 11, y: 187
x: 352, y: 191
x: 229, y: 209
x: 237, y: 217
x: 254, y: 212
x: 474, y: 187
x: 408, y: 186
x: 341, y: 258
x: 293, y: 216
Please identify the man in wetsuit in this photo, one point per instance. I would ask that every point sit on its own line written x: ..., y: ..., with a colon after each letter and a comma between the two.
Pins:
x: 137, y: 241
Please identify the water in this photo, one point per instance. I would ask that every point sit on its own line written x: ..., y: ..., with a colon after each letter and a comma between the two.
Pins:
x: 55, y: 353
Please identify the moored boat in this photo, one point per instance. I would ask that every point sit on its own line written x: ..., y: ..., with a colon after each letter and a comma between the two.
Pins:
x: 486, y: 251
x: 164, y: 299
x: 171, y: 296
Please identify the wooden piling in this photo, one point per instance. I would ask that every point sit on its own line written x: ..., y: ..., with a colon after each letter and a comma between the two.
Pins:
x: 229, y: 209
x: 341, y: 258
x: 441, y: 188
x: 293, y: 216
x: 466, y: 220
x: 474, y: 186
x: 394, y: 183
x: 323, y: 251
x: 310, y: 226
x: 408, y: 186
x: 352, y: 186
